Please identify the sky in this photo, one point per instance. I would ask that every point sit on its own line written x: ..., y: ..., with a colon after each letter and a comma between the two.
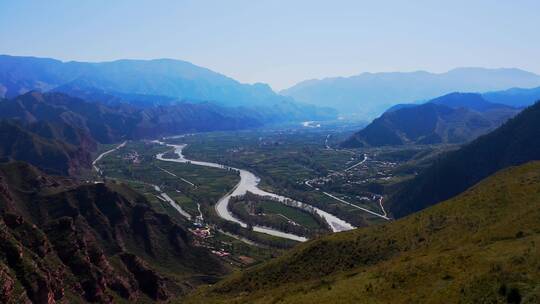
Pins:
x: 280, y: 42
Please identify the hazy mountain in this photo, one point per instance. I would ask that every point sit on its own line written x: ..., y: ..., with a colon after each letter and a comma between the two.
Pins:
x: 453, y: 118
x: 470, y: 101
x: 516, y: 97
x: 475, y: 248
x: 161, y: 77
x: 514, y: 143
x: 63, y: 241
x: 369, y: 94
x: 142, y: 83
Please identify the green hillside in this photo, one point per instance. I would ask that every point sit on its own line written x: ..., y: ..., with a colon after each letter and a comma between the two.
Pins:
x: 482, y: 246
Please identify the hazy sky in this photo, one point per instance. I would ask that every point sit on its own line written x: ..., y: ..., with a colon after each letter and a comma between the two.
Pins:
x: 280, y: 42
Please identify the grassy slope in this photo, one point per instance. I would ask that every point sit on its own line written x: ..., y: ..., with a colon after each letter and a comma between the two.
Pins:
x: 478, y: 247
x: 294, y: 214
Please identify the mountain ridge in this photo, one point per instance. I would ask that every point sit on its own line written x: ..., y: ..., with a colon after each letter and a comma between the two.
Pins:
x: 452, y: 118
x: 118, y: 75
x: 369, y: 94
x: 517, y: 97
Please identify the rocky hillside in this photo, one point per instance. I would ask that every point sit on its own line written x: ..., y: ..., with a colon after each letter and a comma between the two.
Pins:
x: 62, y: 241
x: 54, y: 149
x: 479, y: 247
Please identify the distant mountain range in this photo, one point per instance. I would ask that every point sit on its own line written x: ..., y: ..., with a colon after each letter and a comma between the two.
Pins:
x: 452, y: 118
x: 145, y: 83
x: 369, y: 94
x: 161, y: 77
x: 515, y: 97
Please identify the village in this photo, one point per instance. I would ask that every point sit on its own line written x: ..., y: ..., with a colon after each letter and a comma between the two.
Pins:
x: 365, y: 172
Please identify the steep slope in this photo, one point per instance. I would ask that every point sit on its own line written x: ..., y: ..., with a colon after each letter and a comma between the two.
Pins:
x: 514, y: 143
x: 452, y: 118
x: 369, y: 94
x: 479, y: 247
x: 102, y: 123
x: 68, y: 242
x: 44, y: 145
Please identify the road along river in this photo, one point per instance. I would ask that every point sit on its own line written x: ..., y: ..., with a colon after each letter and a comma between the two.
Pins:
x: 249, y: 182
x: 94, y: 163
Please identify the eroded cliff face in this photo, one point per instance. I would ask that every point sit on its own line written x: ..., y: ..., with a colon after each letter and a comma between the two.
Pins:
x: 61, y: 240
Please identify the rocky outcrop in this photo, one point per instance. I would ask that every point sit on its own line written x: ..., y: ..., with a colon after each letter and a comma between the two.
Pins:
x: 149, y: 281
x: 7, y: 285
x: 40, y: 278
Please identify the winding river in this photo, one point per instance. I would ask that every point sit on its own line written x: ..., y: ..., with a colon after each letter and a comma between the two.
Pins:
x: 249, y: 182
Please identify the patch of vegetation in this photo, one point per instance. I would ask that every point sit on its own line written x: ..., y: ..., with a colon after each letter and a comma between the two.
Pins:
x: 257, y: 210
x: 286, y: 158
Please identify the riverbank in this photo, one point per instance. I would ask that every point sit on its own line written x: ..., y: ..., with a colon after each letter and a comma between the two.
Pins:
x: 249, y: 182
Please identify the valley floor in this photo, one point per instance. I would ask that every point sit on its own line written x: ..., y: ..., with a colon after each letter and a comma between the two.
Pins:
x: 297, y: 162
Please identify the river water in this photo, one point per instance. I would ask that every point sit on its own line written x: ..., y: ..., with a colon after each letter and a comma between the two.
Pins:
x: 249, y: 182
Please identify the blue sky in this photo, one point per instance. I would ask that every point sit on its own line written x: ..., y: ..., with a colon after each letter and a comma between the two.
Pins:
x: 280, y: 42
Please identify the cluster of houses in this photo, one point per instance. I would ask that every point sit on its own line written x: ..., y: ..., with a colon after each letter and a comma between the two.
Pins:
x: 383, y: 171
x: 202, y: 233
x: 132, y: 156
